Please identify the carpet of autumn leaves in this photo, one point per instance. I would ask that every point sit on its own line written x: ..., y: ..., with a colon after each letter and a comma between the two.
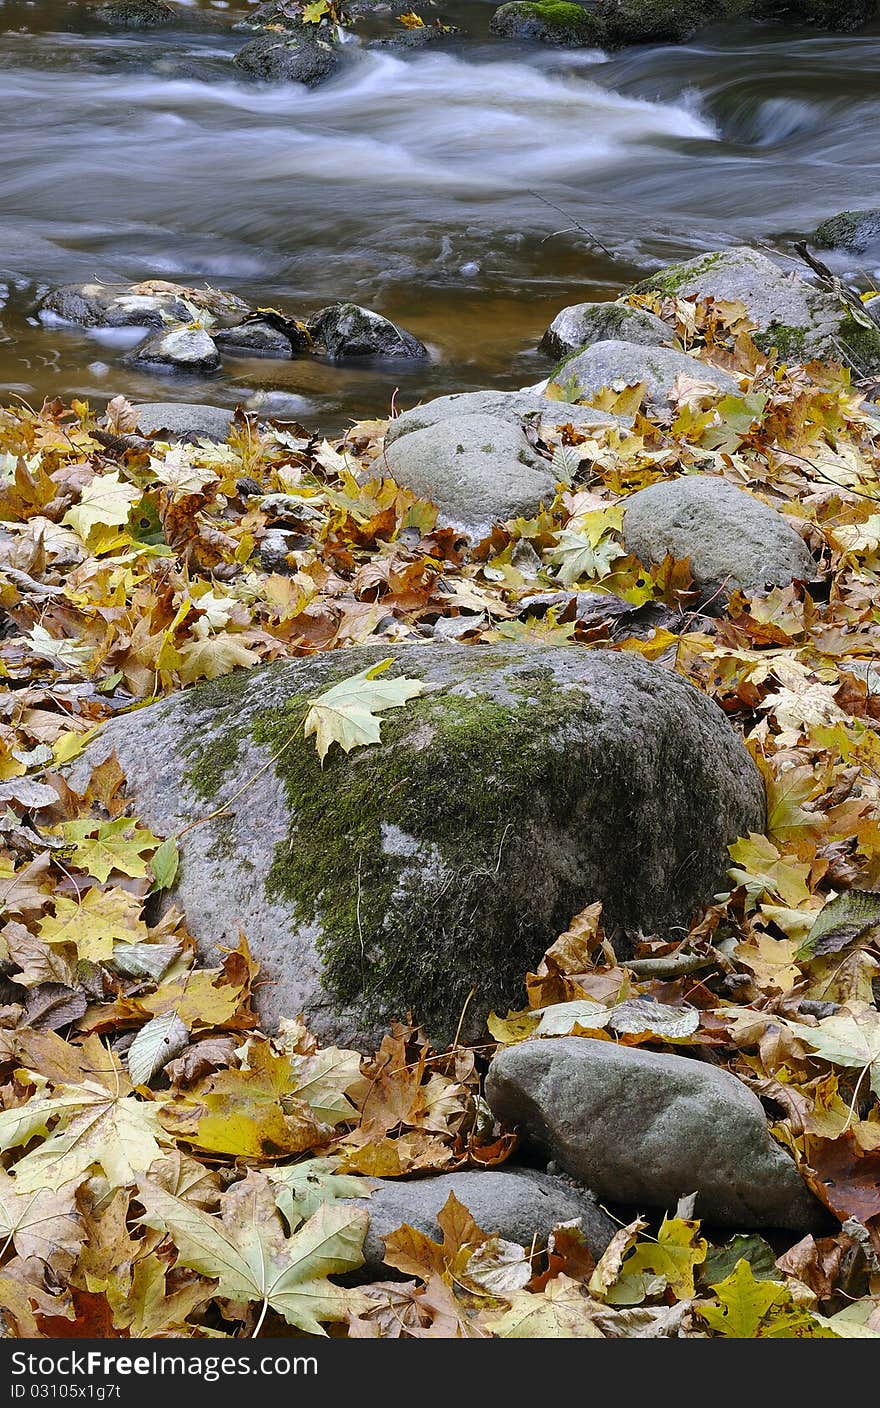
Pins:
x: 167, y: 1169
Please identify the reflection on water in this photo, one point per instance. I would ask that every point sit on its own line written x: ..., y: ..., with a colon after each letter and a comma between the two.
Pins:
x: 423, y: 184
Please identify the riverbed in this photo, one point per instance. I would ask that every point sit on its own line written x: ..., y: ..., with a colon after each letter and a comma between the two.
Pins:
x: 467, y: 191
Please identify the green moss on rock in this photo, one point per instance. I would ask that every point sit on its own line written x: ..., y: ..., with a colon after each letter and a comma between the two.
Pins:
x: 548, y: 22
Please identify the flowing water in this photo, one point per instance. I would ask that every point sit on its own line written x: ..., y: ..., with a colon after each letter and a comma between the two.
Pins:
x: 451, y: 188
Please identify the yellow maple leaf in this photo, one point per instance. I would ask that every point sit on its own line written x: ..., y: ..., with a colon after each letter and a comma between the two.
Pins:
x: 106, y: 502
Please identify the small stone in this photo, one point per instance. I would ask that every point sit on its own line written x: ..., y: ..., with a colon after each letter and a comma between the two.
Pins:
x: 347, y: 330
x: 517, y: 1204
x: 181, y: 421
x: 606, y: 364
x: 644, y: 1128
x: 188, y: 349
x: 731, y: 538
x: 584, y: 323
x: 254, y: 339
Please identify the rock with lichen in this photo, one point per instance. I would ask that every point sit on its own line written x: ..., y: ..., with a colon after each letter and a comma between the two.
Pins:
x: 429, y: 871
x: 799, y: 319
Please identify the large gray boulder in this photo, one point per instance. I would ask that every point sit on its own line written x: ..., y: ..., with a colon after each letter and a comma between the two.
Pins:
x: 801, y: 321
x: 517, y: 1204
x: 348, y: 330
x: 645, y: 1129
x: 581, y: 324
x: 523, y: 785
x: 179, y: 421
x: 732, y: 538
x: 294, y: 57
x: 183, y: 349
x: 525, y: 408
x: 476, y: 469
x: 612, y: 362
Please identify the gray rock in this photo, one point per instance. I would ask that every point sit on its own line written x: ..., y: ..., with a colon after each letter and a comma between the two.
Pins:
x: 607, y: 363
x: 517, y: 1204
x: 296, y: 58
x: 585, y: 323
x: 254, y: 339
x: 180, y: 421
x: 111, y: 306
x: 521, y: 407
x: 730, y: 536
x: 347, y: 330
x: 645, y: 1129
x: 135, y: 14
x: 454, y: 851
x: 795, y: 317
x: 185, y: 349
x: 563, y: 25
x: 477, y: 469
x: 97, y: 305
x: 419, y: 38
x: 272, y: 15
x: 857, y: 231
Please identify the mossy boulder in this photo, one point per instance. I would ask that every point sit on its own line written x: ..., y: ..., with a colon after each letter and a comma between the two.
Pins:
x: 525, y: 784
x: 857, y: 231
x: 583, y: 323
x: 548, y: 22
x: 801, y: 321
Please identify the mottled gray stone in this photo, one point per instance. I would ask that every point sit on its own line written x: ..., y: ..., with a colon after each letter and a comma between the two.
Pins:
x: 518, y: 783
x: 135, y: 14
x: 112, y: 306
x: 857, y: 231
x: 732, y: 538
x: 347, y: 330
x: 584, y: 323
x: 477, y: 469
x: 645, y: 1129
x: 521, y: 407
x: 792, y: 315
x: 183, y: 422
x: 254, y: 339
x: 611, y: 362
x: 296, y: 58
x: 517, y: 1204
x: 185, y: 349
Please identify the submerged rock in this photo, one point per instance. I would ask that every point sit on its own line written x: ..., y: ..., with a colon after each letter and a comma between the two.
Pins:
x: 584, y: 323
x: 347, y: 330
x: 798, y: 319
x: 857, y: 231
x: 607, y: 363
x: 732, y: 538
x: 610, y: 23
x: 450, y: 854
x: 186, y: 349
x: 520, y: 1205
x: 181, y: 421
x: 643, y: 1128
x: 298, y: 58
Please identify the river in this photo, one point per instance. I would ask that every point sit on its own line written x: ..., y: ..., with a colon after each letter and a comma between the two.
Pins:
x: 444, y: 188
